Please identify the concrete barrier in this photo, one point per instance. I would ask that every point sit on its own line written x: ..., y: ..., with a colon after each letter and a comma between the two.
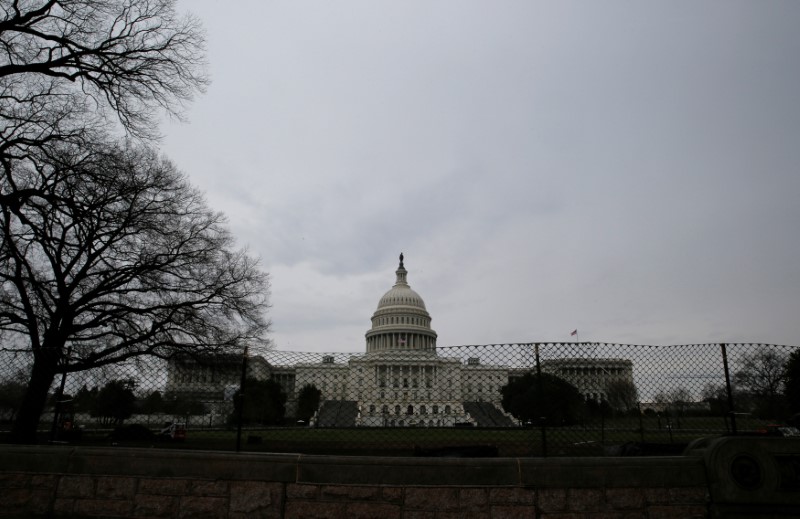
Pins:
x: 108, y: 482
x: 752, y: 477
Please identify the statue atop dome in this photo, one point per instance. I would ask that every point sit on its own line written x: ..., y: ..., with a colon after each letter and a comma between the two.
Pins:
x: 401, y: 260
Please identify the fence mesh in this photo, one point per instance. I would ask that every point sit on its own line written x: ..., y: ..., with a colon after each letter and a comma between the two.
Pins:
x: 527, y: 399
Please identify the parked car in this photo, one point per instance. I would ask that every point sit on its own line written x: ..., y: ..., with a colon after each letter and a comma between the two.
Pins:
x: 778, y: 430
x: 67, y: 431
x: 174, y: 432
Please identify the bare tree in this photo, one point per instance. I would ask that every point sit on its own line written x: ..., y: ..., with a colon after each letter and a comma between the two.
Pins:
x: 716, y: 396
x: 676, y: 402
x: 112, y: 256
x: 71, y: 70
x: 762, y: 374
x: 622, y: 395
x: 712, y: 391
x: 124, y: 58
x: 681, y: 398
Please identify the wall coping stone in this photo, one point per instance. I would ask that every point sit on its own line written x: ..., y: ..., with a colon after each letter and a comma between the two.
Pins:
x: 672, y: 471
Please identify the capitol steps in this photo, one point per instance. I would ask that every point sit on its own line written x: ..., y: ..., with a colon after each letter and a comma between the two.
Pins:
x: 487, y: 415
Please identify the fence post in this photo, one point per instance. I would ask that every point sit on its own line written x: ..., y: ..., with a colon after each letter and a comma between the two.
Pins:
x: 602, y: 424
x: 542, y: 419
x: 669, y: 424
x: 728, y: 387
x: 641, y: 422
x: 241, y: 402
x: 59, y: 397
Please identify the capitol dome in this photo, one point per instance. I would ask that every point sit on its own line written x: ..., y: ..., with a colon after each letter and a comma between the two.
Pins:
x: 401, y: 295
x: 401, y: 321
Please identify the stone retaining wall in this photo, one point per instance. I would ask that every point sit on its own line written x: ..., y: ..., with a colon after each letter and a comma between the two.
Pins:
x: 95, y: 482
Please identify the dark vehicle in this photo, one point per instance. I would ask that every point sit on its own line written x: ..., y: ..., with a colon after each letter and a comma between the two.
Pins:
x: 778, y: 430
x: 174, y: 431
x: 67, y: 431
x: 133, y: 432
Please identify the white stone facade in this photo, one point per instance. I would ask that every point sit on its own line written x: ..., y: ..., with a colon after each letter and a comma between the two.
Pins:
x: 591, y: 376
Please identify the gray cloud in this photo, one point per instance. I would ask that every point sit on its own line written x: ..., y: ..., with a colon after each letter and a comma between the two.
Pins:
x: 629, y: 169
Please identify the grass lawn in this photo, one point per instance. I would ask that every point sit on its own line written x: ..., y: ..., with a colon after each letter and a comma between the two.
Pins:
x: 594, y: 439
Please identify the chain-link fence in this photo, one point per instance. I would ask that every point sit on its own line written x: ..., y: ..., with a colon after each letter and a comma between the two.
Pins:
x: 528, y: 399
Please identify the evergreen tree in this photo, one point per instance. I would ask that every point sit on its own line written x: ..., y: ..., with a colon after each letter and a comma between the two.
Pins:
x: 308, y: 402
x: 791, y: 388
x: 115, y: 401
x: 558, y: 401
x: 264, y: 403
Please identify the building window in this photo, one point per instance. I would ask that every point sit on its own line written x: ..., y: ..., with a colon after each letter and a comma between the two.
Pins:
x: 447, y: 409
x: 385, y: 409
x: 410, y: 410
x: 422, y: 410
x: 372, y: 409
x: 397, y: 409
x: 436, y: 409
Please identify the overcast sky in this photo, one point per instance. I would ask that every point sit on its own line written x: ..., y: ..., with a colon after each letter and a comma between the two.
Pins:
x: 629, y: 169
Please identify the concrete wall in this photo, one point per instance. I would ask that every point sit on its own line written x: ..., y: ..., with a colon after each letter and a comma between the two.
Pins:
x: 724, y: 478
x: 107, y: 482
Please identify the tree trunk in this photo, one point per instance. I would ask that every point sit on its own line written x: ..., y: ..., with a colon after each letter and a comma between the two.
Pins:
x: 35, y: 399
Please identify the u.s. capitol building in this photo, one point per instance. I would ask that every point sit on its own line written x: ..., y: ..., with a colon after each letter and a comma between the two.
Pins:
x: 401, y: 380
